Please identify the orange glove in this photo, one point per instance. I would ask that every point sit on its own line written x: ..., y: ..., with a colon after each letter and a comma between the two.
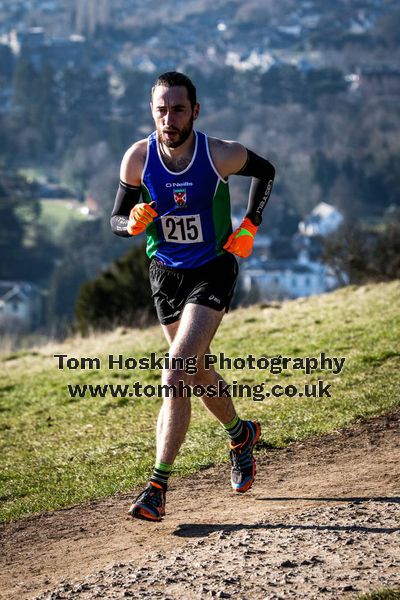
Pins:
x: 140, y: 216
x: 241, y: 241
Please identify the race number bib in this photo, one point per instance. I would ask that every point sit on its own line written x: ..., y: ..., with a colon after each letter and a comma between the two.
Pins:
x: 183, y: 229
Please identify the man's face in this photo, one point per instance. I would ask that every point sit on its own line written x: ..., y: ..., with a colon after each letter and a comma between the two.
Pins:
x: 173, y: 114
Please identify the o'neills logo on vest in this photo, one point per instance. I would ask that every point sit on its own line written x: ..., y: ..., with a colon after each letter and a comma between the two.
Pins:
x: 180, y: 197
x: 179, y: 184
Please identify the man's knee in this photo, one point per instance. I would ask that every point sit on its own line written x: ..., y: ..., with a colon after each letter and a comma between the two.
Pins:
x: 175, y: 383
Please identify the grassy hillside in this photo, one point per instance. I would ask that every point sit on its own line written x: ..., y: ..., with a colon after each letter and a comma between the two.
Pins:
x: 55, y: 214
x: 56, y: 451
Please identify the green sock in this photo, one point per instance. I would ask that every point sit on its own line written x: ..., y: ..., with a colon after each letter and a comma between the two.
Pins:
x: 161, y: 473
x: 235, y: 430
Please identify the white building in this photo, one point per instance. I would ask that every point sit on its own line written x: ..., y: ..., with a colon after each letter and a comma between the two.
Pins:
x: 286, y: 278
x: 322, y: 220
x: 262, y: 278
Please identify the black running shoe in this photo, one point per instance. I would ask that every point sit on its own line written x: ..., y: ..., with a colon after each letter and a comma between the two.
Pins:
x: 243, y: 462
x: 150, y: 504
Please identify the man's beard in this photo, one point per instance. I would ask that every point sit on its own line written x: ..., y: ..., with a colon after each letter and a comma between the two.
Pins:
x: 182, y: 136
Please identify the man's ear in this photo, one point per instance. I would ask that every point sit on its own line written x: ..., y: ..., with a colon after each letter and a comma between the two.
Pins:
x: 196, y: 111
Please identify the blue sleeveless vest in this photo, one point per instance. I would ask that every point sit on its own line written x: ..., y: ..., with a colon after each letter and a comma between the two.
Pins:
x: 193, y: 206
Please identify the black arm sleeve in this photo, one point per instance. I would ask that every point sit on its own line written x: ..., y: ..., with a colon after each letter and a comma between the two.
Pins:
x: 263, y: 174
x: 126, y: 198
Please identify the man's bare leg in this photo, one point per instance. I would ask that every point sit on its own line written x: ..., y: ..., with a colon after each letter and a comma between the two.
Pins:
x: 221, y: 408
x: 189, y: 337
x: 243, y: 436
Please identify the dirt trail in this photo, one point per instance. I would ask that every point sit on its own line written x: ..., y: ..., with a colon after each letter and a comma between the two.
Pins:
x: 322, y: 521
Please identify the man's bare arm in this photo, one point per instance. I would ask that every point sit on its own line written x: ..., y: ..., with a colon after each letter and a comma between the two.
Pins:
x: 133, y: 163
x: 228, y: 157
x: 233, y: 158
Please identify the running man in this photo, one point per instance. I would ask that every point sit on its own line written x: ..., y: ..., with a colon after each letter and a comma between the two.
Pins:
x: 174, y: 187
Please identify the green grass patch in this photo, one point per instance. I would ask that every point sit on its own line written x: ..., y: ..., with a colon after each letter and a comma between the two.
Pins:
x: 32, y: 173
x: 55, y: 214
x: 56, y: 451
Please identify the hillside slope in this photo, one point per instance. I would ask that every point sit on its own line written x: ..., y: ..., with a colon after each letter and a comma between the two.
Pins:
x: 57, y: 451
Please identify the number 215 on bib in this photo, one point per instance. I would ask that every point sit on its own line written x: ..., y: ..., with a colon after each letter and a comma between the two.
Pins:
x: 185, y: 229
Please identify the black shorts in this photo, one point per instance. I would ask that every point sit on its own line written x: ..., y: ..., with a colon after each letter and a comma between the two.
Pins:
x: 211, y: 284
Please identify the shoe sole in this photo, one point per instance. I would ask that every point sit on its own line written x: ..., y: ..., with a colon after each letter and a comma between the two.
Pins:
x: 248, y: 485
x: 139, y: 512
